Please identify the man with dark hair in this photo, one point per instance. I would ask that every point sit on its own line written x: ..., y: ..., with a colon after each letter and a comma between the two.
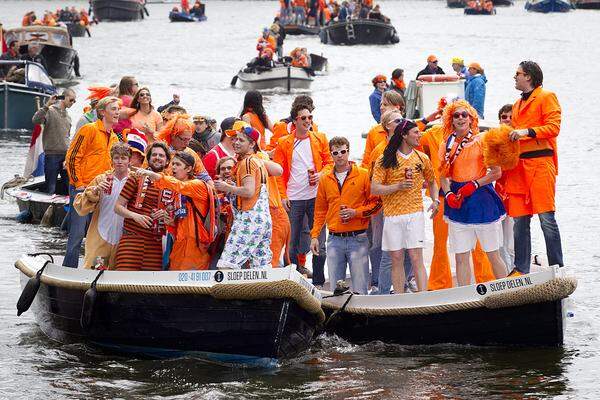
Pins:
x: 531, y: 185
x: 55, y: 140
x: 344, y: 203
x: 140, y: 246
x: 303, y: 155
x: 11, y: 54
x: 505, y: 114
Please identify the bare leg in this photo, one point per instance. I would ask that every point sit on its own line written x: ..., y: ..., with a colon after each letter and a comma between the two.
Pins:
x: 398, y: 277
x: 497, y: 264
x: 463, y: 268
x: 416, y: 258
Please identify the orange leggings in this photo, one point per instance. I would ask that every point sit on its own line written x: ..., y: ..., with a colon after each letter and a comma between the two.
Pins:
x: 280, y: 235
x: 440, y: 276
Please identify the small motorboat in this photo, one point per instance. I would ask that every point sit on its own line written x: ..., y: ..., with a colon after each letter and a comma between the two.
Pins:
x: 37, y: 206
x: 56, y: 47
x: 280, y: 76
x: 503, y: 3
x: 359, y: 31
x: 295, y: 29
x: 118, y: 10
x: 455, y: 3
x: 253, y: 317
x: 548, y: 6
x: 588, y: 4
x: 22, y: 94
x: 492, y: 313
x: 178, y: 16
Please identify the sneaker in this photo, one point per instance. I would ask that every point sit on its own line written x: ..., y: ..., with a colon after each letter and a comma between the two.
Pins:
x: 304, y: 271
x: 514, y: 272
x: 411, y: 286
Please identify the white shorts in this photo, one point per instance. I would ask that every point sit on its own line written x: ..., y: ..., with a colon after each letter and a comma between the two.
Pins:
x: 463, y: 238
x: 405, y: 231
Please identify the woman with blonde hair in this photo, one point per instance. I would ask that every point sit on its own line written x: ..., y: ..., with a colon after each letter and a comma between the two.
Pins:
x: 472, y: 208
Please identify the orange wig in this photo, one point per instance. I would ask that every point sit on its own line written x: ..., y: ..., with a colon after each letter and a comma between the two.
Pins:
x: 177, y: 125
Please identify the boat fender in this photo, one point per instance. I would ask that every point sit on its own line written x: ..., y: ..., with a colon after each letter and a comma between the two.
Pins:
x: 89, y: 300
x: 47, y: 217
x: 30, y: 290
x: 438, y: 78
x: 24, y: 216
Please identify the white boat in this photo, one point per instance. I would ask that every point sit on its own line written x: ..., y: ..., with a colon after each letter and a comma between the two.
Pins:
x: 285, y: 77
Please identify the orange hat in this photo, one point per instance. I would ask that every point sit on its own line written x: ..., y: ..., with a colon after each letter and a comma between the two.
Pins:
x: 432, y: 58
x: 477, y: 67
x: 177, y: 125
x: 379, y: 78
x: 237, y: 127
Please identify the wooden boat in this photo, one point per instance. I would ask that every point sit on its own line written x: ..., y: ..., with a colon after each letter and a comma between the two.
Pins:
x: 295, y: 29
x: 455, y: 3
x: 588, y: 4
x: 547, y: 6
x: 280, y: 76
x: 184, y: 17
x: 359, y: 31
x: 19, y: 100
x: 35, y: 205
x: 118, y: 10
x: 255, y: 317
x: 524, y: 310
x: 56, y: 47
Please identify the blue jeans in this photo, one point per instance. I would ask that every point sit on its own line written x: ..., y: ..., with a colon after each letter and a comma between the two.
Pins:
x: 523, y: 241
x: 299, y: 209
x: 77, y: 227
x: 381, y: 262
x: 354, y: 252
x: 53, y: 166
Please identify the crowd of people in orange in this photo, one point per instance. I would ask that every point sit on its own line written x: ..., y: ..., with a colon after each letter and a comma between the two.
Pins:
x: 50, y: 18
x: 164, y: 192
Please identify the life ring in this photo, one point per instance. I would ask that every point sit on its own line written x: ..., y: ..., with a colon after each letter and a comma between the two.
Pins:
x: 438, y: 78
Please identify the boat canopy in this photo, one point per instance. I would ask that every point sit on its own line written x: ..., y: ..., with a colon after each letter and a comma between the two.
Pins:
x: 35, y: 75
x: 57, y: 36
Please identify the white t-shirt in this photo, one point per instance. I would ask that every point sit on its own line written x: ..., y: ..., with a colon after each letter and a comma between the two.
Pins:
x: 110, y: 224
x: 341, y: 176
x: 302, y: 160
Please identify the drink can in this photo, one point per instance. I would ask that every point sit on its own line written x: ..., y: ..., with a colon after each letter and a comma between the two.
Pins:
x: 311, y: 172
x: 109, y: 180
x: 408, y: 173
x: 344, y: 220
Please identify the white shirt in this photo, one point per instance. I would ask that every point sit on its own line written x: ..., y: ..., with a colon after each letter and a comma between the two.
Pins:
x: 341, y: 176
x: 110, y: 224
x: 302, y: 160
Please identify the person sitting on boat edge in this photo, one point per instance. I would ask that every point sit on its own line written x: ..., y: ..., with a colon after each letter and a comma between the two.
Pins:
x: 472, y: 208
x: 250, y: 237
x: 531, y: 186
x: 380, y: 86
x: 55, y: 138
x: 141, y: 205
x: 344, y: 204
x: 475, y: 88
x: 87, y: 157
x: 197, y: 9
x: 223, y: 149
x: 398, y: 176
x: 99, y: 199
x: 194, y: 213
x: 432, y: 67
x: 299, y: 59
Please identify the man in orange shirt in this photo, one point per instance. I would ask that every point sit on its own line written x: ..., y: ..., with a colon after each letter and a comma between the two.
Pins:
x: 344, y: 202
x: 303, y: 155
x: 531, y: 185
x: 88, y: 156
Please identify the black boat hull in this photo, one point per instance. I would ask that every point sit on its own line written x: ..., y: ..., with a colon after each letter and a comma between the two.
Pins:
x: 256, y: 332
x: 359, y: 32
x: 76, y: 29
x: 503, y: 3
x: 301, y: 30
x: 538, y: 324
x: 455, y: 3
x: 59, y: 61
x: 117, y: 10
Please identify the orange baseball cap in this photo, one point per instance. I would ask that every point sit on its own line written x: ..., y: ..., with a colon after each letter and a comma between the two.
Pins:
x: 237, y: 127
x: 432, y: 58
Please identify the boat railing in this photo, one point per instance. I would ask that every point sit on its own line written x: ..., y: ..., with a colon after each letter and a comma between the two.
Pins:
x: 35, y: 77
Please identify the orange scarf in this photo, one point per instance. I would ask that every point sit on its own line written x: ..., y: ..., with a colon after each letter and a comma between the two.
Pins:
x: 399, y: 83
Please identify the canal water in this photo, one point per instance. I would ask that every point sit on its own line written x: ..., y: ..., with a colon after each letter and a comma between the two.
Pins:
x: 197, y: 61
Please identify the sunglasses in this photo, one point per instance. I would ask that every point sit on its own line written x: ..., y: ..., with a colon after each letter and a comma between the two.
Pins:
x: 463, y: 114
x: 145, y: 95
x: 342, y: 152
x: 435, y: 62
x: 519, y: 73
x: 504, y: 116
x: 226, y: 168
x: 306, y: 117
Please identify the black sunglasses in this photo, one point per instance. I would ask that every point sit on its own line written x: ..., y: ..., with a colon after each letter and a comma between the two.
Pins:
x: 463, y: 114
x: 342, y: 152
x: 305, y: 117
x: 504, y: 116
